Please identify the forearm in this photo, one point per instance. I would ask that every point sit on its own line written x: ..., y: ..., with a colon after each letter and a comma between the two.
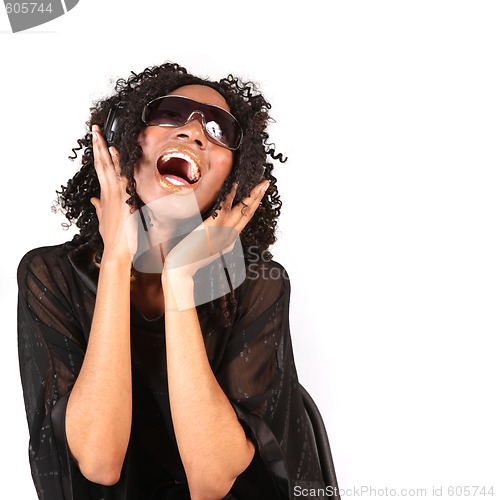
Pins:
x: 212, y: 443
x: 99, y: 411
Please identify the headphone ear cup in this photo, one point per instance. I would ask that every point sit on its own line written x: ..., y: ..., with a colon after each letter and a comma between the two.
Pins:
x: 111, y: 127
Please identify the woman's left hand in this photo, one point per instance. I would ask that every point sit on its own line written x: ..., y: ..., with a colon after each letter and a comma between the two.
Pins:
x: 214, y: 236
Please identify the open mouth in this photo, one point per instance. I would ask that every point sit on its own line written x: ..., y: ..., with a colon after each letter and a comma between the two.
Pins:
x: 178, y: 169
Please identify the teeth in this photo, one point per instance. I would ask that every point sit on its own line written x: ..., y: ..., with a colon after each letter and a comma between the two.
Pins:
x: 194, y: 174
x: 174, y: 181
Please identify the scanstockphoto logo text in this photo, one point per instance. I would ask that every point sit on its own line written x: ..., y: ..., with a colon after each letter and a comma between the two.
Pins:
x: 482, y: 491
x: 25, y: 15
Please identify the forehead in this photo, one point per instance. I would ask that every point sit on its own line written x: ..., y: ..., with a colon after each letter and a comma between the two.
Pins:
x: 201, y: 93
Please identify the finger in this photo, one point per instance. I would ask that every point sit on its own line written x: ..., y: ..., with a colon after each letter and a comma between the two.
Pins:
x: 104, y: 164
x: 251, y: 203
x: 98, y: 206
x: 259, y: 190
x: 248, y: 206
x: 97, y: 160
x: 228, y: 202
x: 116, y: 160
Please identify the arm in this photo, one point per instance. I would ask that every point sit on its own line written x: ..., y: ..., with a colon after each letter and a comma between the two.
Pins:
x: 99, y: 411
x: 98, y: 420
x: 211, y: 441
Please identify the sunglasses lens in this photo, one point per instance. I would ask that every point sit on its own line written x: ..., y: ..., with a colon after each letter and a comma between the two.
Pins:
x: 168, y: 111
x: 223, y: 127
x: 174, y: 111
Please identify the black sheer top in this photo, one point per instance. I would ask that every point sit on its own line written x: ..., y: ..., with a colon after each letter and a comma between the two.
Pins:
x: 252, y: 360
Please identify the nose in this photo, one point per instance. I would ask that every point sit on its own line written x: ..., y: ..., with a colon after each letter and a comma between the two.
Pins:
x: 193, y: 130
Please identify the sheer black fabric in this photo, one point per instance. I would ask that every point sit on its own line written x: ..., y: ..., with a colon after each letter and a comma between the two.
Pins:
x: 252, y: 360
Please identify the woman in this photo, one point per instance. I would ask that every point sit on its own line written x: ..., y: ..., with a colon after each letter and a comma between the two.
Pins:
x: 136, y: 386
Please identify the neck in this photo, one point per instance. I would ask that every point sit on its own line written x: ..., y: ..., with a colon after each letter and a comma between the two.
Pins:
x: 146, y: 293
x: 146, y: 280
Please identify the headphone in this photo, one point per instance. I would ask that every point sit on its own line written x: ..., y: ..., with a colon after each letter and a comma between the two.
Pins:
x: 111, y: 127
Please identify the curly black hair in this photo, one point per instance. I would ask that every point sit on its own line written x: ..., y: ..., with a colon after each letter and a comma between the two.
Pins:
x: 250, y: 163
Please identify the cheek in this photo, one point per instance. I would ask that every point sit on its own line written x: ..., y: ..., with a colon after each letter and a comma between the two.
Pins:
x: 217, y: 176
x: 150, y: 137
x: 140, y: 170
x: 225, y: 164
x: 146, y: 136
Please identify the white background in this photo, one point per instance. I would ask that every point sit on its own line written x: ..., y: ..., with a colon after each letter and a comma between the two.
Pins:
x: 387, y: 112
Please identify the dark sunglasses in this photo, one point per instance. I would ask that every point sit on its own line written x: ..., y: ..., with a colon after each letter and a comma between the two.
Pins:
x: 175, y: 111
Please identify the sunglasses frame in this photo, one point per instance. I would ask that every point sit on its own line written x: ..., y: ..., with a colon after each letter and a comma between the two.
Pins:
x: 192, y: 117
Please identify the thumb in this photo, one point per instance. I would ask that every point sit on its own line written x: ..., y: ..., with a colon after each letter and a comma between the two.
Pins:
x: 97, y: 204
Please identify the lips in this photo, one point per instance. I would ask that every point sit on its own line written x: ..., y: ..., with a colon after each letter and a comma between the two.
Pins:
x: 179, y: 168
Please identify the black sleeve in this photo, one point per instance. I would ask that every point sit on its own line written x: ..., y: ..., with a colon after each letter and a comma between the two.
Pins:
x: 259, y: 376
x: 51, y: 347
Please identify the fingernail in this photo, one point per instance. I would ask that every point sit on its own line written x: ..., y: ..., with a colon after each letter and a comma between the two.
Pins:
x: 94, y: 132
x: 265, y: 187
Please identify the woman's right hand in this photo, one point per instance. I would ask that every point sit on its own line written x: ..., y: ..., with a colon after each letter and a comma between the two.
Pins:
x: 116, y: 225
x: 99, y: 411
